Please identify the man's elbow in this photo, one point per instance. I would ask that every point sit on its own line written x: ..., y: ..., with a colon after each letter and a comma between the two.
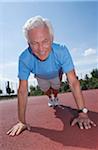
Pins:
x: 75, y: 83
x: 22, y: 91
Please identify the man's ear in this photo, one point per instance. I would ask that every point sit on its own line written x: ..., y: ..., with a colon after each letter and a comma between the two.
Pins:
x: 29, y: 44
x: 52, y: 38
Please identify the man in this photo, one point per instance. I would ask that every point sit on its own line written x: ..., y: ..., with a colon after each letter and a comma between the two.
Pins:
x: 47, y: 60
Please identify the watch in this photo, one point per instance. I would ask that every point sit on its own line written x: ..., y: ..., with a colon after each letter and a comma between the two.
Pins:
x: 83, y: 110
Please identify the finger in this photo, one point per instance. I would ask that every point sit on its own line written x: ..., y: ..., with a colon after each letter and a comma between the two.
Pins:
x: 86, y: 126
x: 80, y: 125
x: 9, y: 131
x: 19, y: 130
x: 13, y: 132
x: 74, y: 122
x: 92, y: 123
x: 89, y: 126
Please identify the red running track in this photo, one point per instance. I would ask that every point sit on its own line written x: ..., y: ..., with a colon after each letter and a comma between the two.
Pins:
x: 51, y: 128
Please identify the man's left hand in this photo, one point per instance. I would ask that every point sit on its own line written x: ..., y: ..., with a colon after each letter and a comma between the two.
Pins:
x: 83, y: 121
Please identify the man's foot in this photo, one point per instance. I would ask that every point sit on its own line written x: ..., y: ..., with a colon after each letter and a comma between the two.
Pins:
x: 56, y: 101
x: 53, y: 102
x: 50, y: 103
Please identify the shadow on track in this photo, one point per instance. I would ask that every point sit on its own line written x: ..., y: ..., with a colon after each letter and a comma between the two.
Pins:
x: 71, y: 136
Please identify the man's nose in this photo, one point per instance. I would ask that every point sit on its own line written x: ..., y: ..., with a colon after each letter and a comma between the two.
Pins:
x: 40, y: 47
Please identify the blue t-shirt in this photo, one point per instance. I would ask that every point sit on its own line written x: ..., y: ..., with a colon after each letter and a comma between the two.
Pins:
x: 59, y: 58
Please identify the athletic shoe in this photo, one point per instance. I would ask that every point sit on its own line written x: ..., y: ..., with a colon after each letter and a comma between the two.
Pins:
x: 56, y: 101
x: 50, y: 103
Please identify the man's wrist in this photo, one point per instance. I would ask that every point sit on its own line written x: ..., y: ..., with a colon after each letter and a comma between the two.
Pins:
x: 83, y: 110
x: 22, y: 122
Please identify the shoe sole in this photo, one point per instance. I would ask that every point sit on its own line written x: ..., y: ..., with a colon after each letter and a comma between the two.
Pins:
x: 54, y: 106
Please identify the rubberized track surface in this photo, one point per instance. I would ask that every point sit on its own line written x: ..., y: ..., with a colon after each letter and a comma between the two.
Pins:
x: 51, y: 128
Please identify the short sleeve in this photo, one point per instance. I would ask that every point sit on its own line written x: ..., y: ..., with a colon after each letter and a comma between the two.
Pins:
x: 66, y: 60
x: 23, y: 71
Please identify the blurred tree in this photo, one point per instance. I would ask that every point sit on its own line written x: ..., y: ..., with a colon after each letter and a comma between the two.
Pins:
x: 86, y: 77
x: 94, y: 73
x: 83, y: 84
x: 35, y: 91
x: 86, y: 83
x: 64, y: 87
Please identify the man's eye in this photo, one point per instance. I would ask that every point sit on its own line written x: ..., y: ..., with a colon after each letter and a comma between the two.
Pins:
x: 45, y: 42
x: 34, y: 44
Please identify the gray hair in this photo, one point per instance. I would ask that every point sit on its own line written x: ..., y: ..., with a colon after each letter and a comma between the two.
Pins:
x: 37, y: 21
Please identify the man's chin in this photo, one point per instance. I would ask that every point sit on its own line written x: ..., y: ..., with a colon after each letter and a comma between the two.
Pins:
x: 43, y: 58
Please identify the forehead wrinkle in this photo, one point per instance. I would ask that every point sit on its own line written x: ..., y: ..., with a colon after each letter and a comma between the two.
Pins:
x: 39, y: 35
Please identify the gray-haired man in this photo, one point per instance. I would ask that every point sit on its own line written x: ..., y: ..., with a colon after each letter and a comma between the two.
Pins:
x: 47, y: 60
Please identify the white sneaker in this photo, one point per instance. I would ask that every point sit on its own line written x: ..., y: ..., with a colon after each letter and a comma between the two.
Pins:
x: 56, y: 101
x: 51, y: 103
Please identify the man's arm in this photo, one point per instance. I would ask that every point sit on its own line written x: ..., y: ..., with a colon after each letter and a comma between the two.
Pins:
x: 22, y: 102
x: 75, y: 88
x: 83, y: 119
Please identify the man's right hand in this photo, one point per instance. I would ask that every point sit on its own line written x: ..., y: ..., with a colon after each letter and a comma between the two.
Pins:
x: 18, y: 128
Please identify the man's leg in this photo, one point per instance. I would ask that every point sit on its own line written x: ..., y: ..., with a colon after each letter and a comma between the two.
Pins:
x: 55, y: 84
x: 48, y: 92
x: 55, y: 92
x: 50, y: 96
x: 45, y: 87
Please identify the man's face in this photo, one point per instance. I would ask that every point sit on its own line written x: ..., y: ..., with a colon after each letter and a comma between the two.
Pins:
x: 40, y: 42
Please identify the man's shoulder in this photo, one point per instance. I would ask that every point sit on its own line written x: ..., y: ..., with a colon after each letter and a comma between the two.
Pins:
x: 59, y: 48
x: 25, y: 54
x: 26, y: 58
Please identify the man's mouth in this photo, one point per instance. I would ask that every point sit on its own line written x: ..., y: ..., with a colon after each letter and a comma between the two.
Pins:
x: 42, y: 53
